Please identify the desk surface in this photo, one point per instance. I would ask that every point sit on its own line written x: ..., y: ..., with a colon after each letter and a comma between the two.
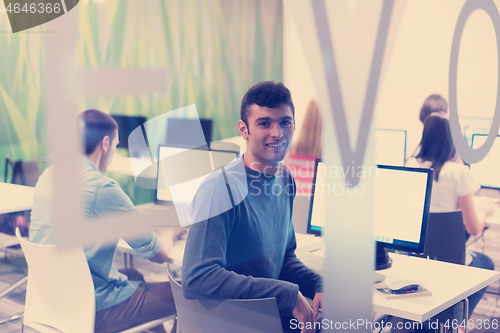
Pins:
x: 449, y: 284
x: 15, y: 198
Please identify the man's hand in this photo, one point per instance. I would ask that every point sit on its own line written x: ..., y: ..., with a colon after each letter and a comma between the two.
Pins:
x: 160, y: 257
x: 317, y: 303
x: 304, y: 313
x: 168, y: 236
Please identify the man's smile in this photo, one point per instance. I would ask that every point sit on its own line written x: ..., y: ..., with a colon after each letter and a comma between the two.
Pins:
x: 275, y: 145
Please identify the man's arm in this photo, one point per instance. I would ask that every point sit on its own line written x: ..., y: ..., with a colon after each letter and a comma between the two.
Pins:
x: 204, y: 273
x: 295, y: 271
x: 112, y: 199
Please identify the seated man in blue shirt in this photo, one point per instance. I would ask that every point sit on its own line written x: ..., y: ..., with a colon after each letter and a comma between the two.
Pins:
x: 121, y: 301
x: 243, y: 247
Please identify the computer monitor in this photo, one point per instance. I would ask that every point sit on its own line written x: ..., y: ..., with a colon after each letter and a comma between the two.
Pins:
x: 183, y: 131
x: 474, y: 125
x: 486, y: 172
x: 401, y: 208
x: 390, y: 147
x: 207, y: 160
x: 126, y: 124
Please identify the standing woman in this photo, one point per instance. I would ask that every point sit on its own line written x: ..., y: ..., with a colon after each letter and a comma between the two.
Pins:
x: 434, y: 104
x: 453, y: 187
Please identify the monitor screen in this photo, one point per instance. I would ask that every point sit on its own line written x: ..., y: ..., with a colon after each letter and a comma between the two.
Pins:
x: 486, y: 172
x: 390, y: 147
x: 180, y: 188
x: 189, y: 132
x: 401, y: 206
x: 126, y: 124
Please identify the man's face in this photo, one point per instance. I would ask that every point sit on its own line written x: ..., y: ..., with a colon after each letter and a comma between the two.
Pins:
x: 269, y: 135
x: 108, y: 155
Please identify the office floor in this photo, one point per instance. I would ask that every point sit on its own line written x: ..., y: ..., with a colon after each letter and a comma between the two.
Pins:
x: 13, y: 269
x: 489, y: 307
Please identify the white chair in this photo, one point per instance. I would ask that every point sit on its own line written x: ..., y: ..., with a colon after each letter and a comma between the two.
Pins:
x: 60, y: 294
x: 225, y: 316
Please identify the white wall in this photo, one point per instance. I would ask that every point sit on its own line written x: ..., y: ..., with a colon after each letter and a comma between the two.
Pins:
x: 417, y: 65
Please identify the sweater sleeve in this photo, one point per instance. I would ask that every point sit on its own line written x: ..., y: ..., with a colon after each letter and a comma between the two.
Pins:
x: 295, y: 271
x: 204, y: 273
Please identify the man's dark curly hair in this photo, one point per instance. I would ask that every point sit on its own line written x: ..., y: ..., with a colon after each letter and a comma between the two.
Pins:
x: 267, y: 93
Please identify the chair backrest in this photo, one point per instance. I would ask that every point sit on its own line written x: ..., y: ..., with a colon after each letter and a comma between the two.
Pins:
x: 60, y: 290
x: 225, y: 316
x: 445, y: 239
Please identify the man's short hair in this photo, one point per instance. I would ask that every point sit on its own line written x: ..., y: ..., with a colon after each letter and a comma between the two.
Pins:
x: 95, y: 126
x: 267, y: 93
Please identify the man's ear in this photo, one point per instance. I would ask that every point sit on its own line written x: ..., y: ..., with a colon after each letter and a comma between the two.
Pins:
x: 243, y: 129
x: 105, y: 143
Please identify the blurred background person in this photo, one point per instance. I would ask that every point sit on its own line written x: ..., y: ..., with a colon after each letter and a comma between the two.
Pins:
x: 309, y: 141
x: 453, y: 186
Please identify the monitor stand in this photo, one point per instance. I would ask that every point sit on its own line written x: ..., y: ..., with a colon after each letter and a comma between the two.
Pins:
x: 382, y: 259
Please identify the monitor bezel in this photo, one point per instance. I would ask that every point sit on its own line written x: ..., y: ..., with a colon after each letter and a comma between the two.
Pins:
x: 417, y: 247
x: 121, y: 119
x: 171, y: 145
x: 311, y: 201
x: 472, y: 146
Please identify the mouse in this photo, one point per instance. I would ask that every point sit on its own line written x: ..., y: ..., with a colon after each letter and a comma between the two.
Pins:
x: 403, y: 285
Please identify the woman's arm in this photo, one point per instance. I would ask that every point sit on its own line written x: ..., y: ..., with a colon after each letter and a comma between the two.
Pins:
x: 474, y: 221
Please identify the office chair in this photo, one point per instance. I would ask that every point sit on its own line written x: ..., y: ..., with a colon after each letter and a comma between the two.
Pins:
x: 225, y: 316
x: 445, y: 241
x: 23, y: 173
x: 60, y: 296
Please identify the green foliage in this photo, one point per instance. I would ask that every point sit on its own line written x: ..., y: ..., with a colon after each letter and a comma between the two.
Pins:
x: 213, y: 51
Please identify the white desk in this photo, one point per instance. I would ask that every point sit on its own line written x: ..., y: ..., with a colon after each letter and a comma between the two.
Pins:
x: 15, y: 198
x: 449, y: 284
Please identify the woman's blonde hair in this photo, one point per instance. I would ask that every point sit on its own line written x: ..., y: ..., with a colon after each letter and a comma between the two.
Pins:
x: 309, y: 142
